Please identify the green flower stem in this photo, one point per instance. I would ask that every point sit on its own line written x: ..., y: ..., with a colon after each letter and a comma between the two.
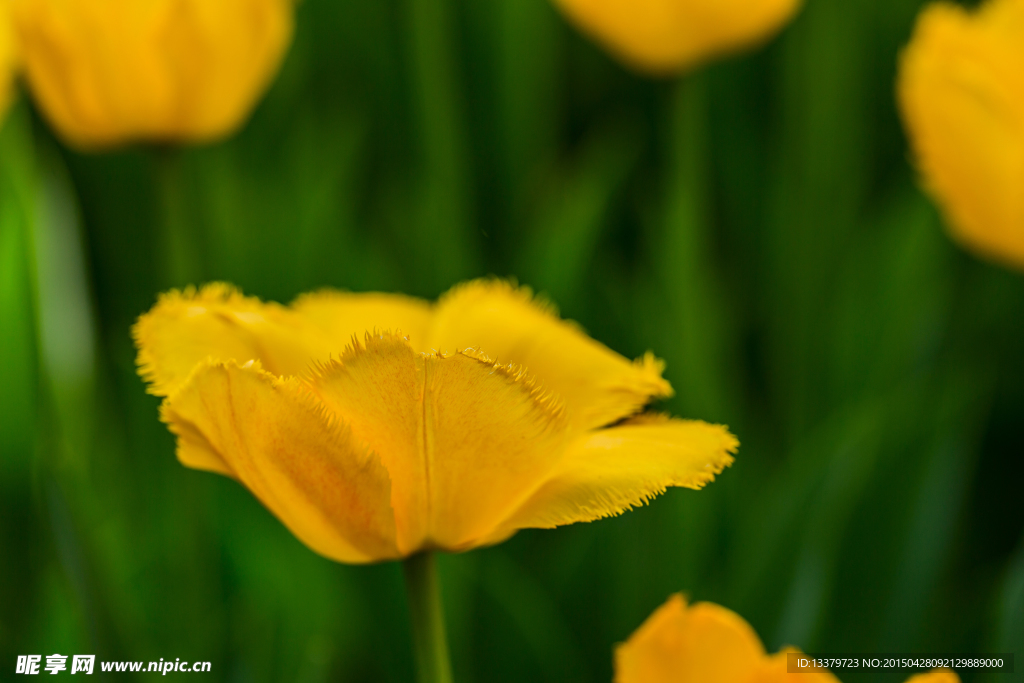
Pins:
x: 181, y: 253
x: 441, y: 227
x: 686, y: 260
x: 430, y: 644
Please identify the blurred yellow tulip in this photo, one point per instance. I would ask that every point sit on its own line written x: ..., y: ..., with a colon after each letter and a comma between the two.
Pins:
x: 961, y: 93
x: 665, y: 36
x: 703, y: 642
x: 105, y: 72
x: 937, y: 676
x: 373, y: 445
x: 706, y: 643
x: 8, y: 59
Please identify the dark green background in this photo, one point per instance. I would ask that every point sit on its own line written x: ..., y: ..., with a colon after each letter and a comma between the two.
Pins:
x: 755, y: 223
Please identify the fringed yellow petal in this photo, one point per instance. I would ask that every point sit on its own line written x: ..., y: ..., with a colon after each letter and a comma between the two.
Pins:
x: 961, y: 95
x: 185, y: 328
x: 664, y: 36
x: 344, y: 315
x: 491, y: 437
x: 705, y: 643
x: 106, y: 72
x: 194, y: 450
x: 464, y: 438
x: 377, y: 389
x: 935, y: 676
x: 597, y: 385
x: 277, y: 440
x: 612, y: 470
x: 774, y: 669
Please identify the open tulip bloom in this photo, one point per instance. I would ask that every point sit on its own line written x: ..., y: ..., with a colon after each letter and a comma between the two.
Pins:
x: 707, y: 643
x: 378, y: 426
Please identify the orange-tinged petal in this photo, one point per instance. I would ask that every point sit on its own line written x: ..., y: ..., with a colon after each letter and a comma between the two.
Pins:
x: 377, y: 389
x: 613, y: 470
x: 597, y: 385
x: 672, y: 35
x: 961, y: 95
x: 110, y: 71
x: 307, y: 468
x: 492, y: 436
x: 465, y: 439
x: 935, y: 676
x: 186, y: 328
x: 193, y: 449
x: 344, y: 315
x: 774, y: 669
x: 704, y: 643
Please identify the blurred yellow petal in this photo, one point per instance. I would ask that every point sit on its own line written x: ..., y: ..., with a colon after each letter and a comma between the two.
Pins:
x: 935, y: 676
x: 8, y: 59
x: 307, y: 468
x: 673, y: 35
x: 773, y: 669
x: 344, y: 315
x: 465, y: 439
x: 704, y: 643
x: 110, y: 71
x: 186, y: 328
x: 961, y: 94
x: 609, y: 471
x: 597, y: 385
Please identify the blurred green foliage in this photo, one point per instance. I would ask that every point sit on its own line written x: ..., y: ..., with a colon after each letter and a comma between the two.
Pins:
x: 756, y: 224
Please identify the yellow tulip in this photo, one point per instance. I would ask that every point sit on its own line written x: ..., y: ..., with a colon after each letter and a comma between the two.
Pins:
x: 938, y: 676
x: 374, y: 426
x: 673, y: 35
x: 105, y: 72
x: 961, y: 93
x: 706, y: 643
x: 8, y: 59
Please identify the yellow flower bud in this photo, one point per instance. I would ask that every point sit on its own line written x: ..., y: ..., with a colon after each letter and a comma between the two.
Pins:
x: 106, y: 72
x: 961, y: 93
x: 674, y: 35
